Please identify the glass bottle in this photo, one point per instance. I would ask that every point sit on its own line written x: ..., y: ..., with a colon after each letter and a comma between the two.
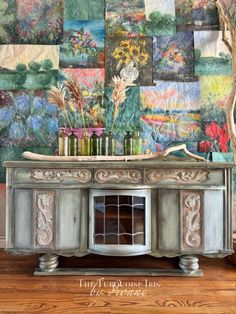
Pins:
x: 63, y: 143
x: 94, y: 144
x: 137, y: 143
x: 111, y: 144
x: 128, y: 144
x: 85, y: 144
x: 73, y: 144
x: 104, y: 143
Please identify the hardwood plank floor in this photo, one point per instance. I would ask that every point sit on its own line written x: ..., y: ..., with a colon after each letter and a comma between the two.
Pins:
x: 21, y: 292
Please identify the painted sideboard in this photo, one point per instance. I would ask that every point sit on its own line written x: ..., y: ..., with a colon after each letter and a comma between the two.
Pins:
x: 49, y: 210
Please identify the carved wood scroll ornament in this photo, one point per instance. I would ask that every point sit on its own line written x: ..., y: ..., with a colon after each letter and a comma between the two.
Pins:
x: 181, y: 176
x: 81, y: 175
x: 45, y: 202
x: 131, y: 176
x: 191, y: 212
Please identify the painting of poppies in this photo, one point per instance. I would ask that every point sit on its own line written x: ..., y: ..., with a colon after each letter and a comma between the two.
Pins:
x: 196, y: 15
x: 22, y: 67
x: 123, y: 17
x: 27, y: 119
x: 170, y: 112
x: 39, y: 21
x: 131, y: 59
x: 92, y: 113
x: 173, y: 56
x: 83, y: 10
x: 83, y: 44
x: 211, y: 55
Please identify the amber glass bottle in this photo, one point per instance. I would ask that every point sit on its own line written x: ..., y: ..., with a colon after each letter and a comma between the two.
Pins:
x: 104, y: 140
x: 85, y: 144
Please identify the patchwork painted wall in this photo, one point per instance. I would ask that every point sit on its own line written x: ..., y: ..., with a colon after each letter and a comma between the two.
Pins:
x: 158, y: 66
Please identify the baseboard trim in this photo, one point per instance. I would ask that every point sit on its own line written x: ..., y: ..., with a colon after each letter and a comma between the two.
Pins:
x: 2, y: 242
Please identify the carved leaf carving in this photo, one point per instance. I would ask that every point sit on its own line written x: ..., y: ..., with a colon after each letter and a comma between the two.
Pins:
x: 178, y: 175
x: 192, y: 219
x: 113, y: 175
x: 81, y: 175
x: 44, y: 218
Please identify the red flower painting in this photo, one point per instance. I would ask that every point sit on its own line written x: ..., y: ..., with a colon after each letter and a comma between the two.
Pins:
x: 219, y: 135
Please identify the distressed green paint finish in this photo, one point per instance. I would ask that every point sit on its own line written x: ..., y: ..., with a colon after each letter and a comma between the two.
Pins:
x: 83, y: 10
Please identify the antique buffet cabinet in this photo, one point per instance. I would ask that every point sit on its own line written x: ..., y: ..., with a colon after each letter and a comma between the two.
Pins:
x: 158, y: 207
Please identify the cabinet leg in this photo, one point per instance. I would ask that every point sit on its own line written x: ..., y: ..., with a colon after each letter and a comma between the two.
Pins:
x: 189, y: 263
x: 48, y: 262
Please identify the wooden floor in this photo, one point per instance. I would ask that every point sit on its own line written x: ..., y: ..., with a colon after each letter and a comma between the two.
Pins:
x: 21, y: 292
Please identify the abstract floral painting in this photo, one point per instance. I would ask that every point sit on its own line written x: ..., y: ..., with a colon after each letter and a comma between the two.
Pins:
x: 39, y: 21
x: 91, y: 82
x: 127, y: 117
x: 7, y: 21
x: 83, y: 44
x: 211, y: 55
x: 22, y: 67
x: 196, y: 15
x: 170, y: 112
x: 131, y: 59
x: 124, y: 18
x: 216, y: 137
x: 215, y: 94
x: 27, y: 119
x: 160, y: 18
x: 173, y: 56
x: 84, y: 10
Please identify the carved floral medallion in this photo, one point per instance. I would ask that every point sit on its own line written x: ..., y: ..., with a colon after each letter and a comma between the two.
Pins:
x: 117, y: 176
x: 178, y: 175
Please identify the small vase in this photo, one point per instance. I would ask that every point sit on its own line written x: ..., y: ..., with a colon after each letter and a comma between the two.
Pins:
x: 129, y: 73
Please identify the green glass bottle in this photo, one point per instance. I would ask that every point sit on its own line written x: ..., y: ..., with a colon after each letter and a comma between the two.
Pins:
x: 94, y: 144
x: 63, y: 143
x: 85, y: 144
x: 128, y: 144
x: 137, y: 143
x: 73, y: 144
x: 111, y: 144
x: 103, y: 139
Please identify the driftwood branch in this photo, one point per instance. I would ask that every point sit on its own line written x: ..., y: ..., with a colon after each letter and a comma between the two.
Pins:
x: 39, y: 157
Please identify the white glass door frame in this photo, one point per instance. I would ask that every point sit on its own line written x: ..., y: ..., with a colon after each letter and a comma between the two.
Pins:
x: 120, y: 249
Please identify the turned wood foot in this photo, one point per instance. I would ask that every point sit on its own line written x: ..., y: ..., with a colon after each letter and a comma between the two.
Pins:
x: 189, y: 263
x: 48, y: 262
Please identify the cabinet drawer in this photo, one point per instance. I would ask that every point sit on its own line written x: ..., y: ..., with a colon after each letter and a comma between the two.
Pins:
x: 24, y: 176
x: 184, y: 176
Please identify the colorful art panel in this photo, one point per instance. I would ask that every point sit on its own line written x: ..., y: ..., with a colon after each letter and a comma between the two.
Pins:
x: 230, y: 7
x: 26, y: 118
x: 171, y: 111
x: 215, y: 94
x: 131, y: 59
x: 196, y: 15
x: 83, y: 44
x: 39, y: 22
x: 22, y: 67
x: 211, y: 55
x: 160, y: 18
x: 173, y: 56
x: 91, y: 82
x: 7, y: 21
x: 124, y: 18
x: 124, y: 116
x: 84, y: 10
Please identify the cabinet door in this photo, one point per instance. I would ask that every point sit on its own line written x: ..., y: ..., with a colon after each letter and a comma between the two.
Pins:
x: 68, y: 219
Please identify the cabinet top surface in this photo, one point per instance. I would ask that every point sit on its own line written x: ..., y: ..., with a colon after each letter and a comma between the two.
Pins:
x: 163, y: 163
